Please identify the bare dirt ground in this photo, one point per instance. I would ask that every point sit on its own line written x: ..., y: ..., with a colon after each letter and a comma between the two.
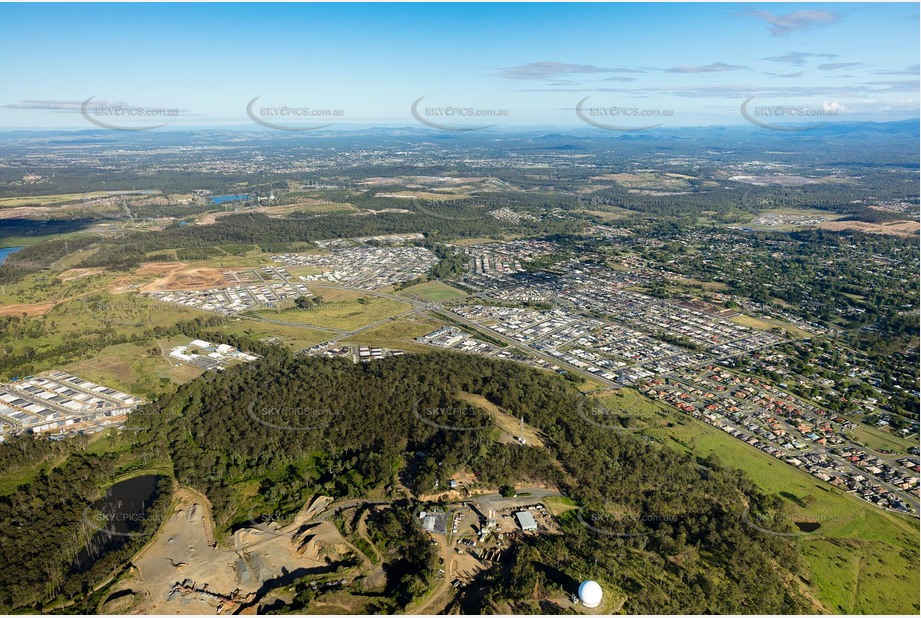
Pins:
x: 210, y: 218
x: 158, y: 268
x: 25, y: 212
x: 618, y: 177
x: 779, y: 180
x: 30, y: 310
x: 181, y: 276
x: 273, y: 211
x: 894, y: 228
x: 79, y: 273
x: 182, y: 571
x: 122, y: 285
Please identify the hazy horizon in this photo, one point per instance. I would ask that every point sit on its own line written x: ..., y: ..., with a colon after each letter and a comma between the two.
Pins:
x: 621, y: 66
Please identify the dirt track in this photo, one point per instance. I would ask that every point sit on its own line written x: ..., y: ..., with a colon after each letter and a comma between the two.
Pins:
x: 79, y: 273
x: 31, y: 310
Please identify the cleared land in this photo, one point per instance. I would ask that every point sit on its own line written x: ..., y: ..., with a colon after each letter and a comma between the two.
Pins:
x: 398, y: 334
x: 510, y: 426
x: 880, y: 440
x: 434, y: 291
x: 181, y: 276
x: 28, y: 310
x: 46, y: 200
x: 185, y: 549
x: 342, y: 310
x: 895, y: 228
x: 768, y: 324
x: 295, y: 337
x: 130, y: 367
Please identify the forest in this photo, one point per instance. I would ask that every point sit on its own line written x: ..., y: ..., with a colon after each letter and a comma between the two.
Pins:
x: 299, y: 427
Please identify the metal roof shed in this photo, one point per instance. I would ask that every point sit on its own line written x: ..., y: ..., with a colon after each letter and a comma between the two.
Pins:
x: 526, y: 521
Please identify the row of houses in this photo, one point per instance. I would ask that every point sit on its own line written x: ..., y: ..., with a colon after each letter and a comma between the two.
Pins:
x: 776, y: 441
x: 60, y: 402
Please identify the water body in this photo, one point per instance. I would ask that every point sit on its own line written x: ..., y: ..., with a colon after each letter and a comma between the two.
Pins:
x: 223, y: 199
x: 4, y: 252
x: 807, y: 526
x: 117, y: 517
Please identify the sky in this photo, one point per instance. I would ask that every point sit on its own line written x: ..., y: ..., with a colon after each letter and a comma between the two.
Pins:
x: 623, y: 65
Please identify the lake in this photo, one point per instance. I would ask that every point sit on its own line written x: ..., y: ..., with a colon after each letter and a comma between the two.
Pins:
x: 221, y: 199
x: 6, y: 251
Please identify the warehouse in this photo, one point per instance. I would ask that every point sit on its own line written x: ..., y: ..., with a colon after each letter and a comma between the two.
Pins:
x: 526, y: 521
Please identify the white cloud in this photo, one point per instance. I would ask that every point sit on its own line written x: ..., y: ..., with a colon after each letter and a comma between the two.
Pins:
x: 716, y: 67
x: 783, y: 25
x: 556, y: 70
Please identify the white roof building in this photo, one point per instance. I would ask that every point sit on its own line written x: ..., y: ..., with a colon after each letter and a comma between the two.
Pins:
x: 526, y: 521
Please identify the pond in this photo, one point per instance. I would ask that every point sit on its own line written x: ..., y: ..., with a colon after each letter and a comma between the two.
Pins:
x: 221, y: 199
x: 5, y: 251
x: 119, y: 515
x: 807, y: 526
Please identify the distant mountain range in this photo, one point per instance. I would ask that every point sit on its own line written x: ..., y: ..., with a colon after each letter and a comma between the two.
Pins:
x: 910, y: 127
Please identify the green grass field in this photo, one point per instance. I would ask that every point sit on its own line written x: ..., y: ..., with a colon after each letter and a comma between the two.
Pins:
x: 141, y: 369
x: 324, y: 208
x: 434, y: 291
x: 236, y: 261
x: 305, y: 271
x: 398, y: 334
x: 295, y: 337
x: 768, y: 324
x: 128, y: 367
x: 121, y: 315
x: 341, y: 310
x: 861, y: 560
x: 41, y: 288
x: 48, y: 200
x: 11, y: 479
x: 628, y: 402
x: 880, y: 440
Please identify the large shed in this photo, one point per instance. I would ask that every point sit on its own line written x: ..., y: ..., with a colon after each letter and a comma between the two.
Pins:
x: 526, y: 521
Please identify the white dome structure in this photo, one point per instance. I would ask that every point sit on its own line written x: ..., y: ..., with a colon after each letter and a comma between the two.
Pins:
x: 590, y: 593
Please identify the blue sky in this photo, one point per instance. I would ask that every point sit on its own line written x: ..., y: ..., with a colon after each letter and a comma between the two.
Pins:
x: 698, y: 62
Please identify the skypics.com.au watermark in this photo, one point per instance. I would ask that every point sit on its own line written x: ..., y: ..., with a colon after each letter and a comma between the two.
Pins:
x: 453, y: 117
x: 752, y: 201
x: 459, y: 417
x: 447, y: 207
x: 120, y: 311
x: 136, y: 524
x: 783, y: 117
x: 599, y: 415
x: 627, y: 201
x: 124, y: 117
x: 290, y: 418
x: 774, y: 524
x: 274, y: 523
x: 611, y: 117
x: 273, y: 117
x: 620, y: 524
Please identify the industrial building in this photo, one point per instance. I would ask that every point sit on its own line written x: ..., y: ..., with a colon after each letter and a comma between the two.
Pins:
x: 525, y: 521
